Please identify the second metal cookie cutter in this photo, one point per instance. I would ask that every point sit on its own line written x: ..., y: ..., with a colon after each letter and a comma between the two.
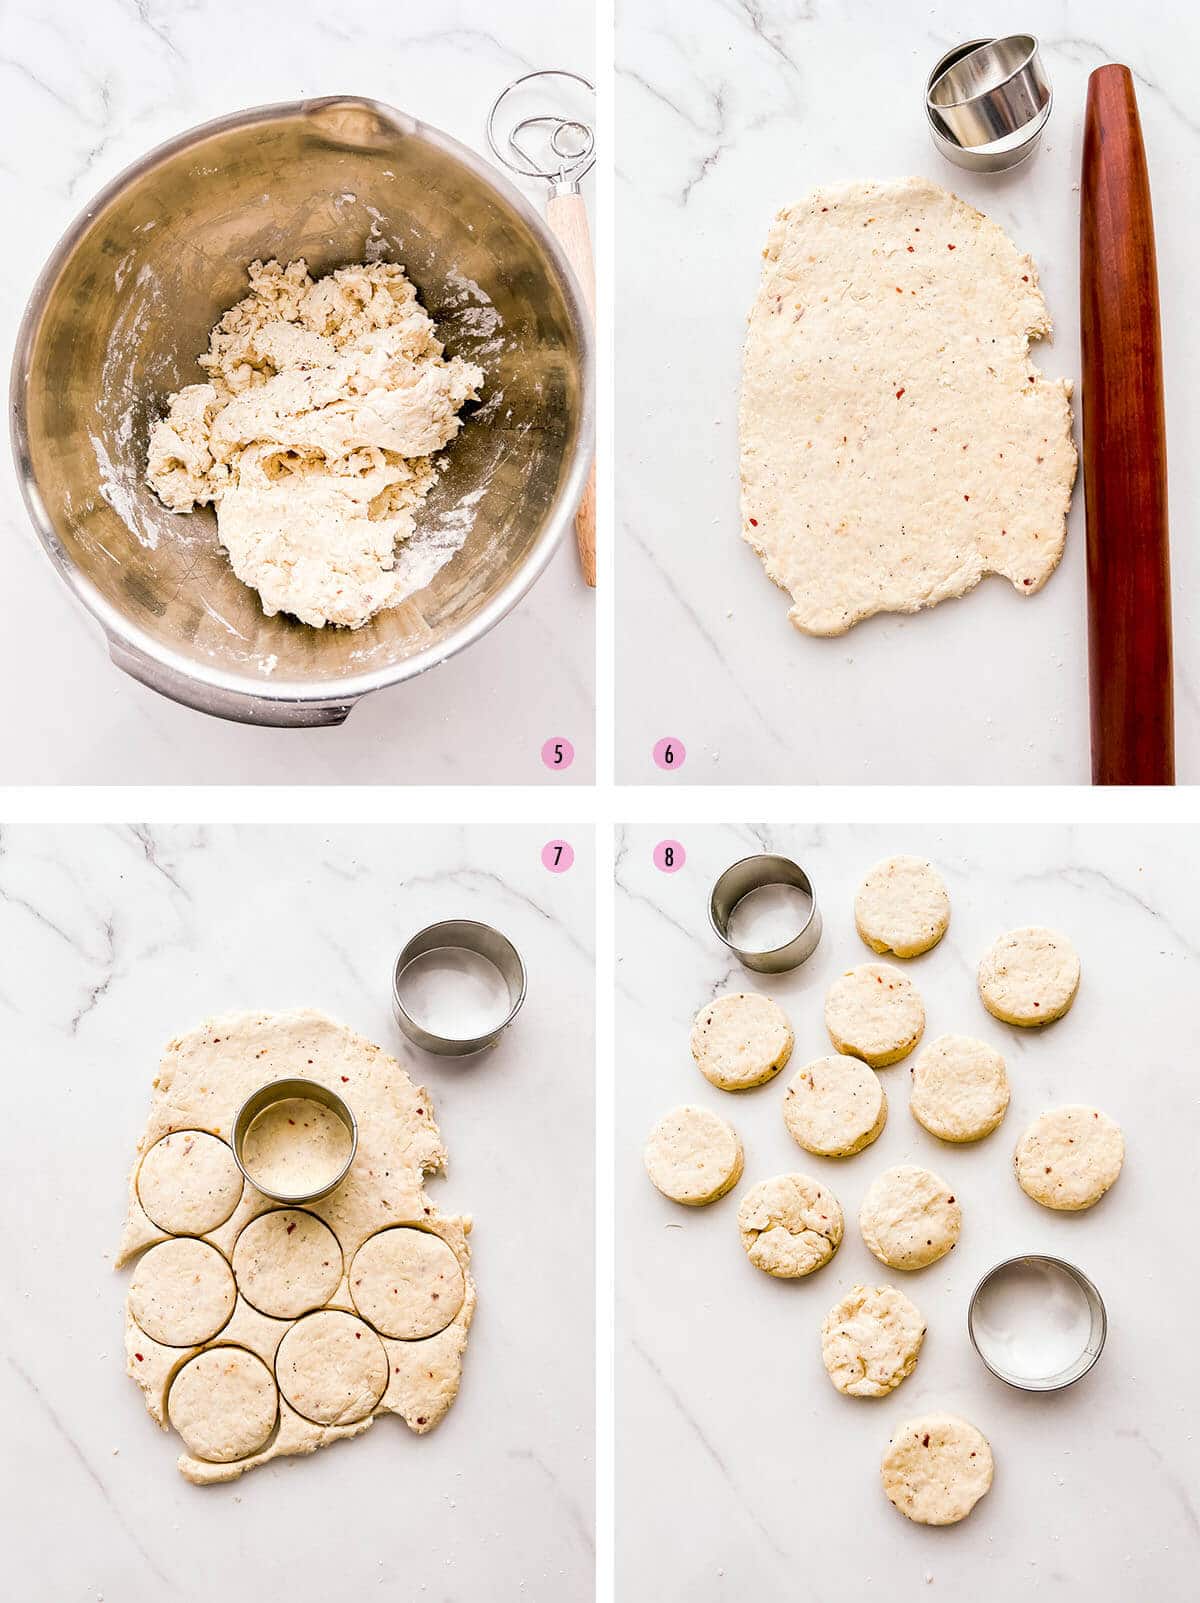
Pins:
x: 462, y: 934
x: 752, y: 874
x: 988, y: 101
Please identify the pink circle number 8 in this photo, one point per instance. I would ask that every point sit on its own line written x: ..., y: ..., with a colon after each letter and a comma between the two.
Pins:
x: 669, y: 856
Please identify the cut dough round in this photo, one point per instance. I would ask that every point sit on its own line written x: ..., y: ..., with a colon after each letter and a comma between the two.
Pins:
x: 936, y: 1469
x: 189, y: 1183
x: 870, y: 1341
x: 693, y: 1156
x: 1069, y: 1157
x: 332, y: 1368
x: 1029, y: 976
x: 959, y: 1088
x: 834, y: 1107
x: 909, y: 1217
x: 790, y: 1225
x: 182, y: 1292
x: 902, y: 907
x: 407, y: 1283
x: 287, y: 1262
x: 741, y: 1040
x: 897, y: 442
x: 874, y: 1012
x: 224, y: 1404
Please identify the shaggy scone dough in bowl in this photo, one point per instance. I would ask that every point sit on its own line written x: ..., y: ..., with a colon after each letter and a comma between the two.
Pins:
x: 936, y: 1469
x: 790, y: 1225
x: 959, y: 1088
x: 693, y: 1156
x: 897, y: 442
x: 875, y: 1013
x: 1029, y: 976
x: 741, y: 1040
x: 834, y: 1107
x: 909, y: 1217
x: 285, y: 1329
x: 902, y: 906
x: 1069, y: 1158
x: 870, y: 1341
x: 314, y: 435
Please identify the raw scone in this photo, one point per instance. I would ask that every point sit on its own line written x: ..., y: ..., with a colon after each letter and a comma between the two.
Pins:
x: 407, y: 1283
x: 959, y: 1088
x: 870, y: 1341
x: 1069, y: 1157
x: 741, y: 1040
x: 224, y: 1404
x: 1029, y: 976
x: 314, y: 434
x: 790, y: 1225
x: 693, y: 1156
x: 834, y: 1107
x: 182, y: 1292
x: 189, y: 1182
x: 874, y: 1012
x: 902, y: 907
x: 897, y: 442
x: 936, y: 1469
x: 909, y: 1217
x: 287, y: 1262
x: 332, y: 1368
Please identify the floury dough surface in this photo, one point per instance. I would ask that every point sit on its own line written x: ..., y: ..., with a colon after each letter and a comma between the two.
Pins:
x: 790, y: 1225
x: 289, y: 1261
x: 314, y: 434
x: 295, y: 1146
x: 870, y: 1341
x: 897, y: 442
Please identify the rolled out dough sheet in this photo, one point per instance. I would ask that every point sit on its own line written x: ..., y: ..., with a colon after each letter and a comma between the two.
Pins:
x: 897, y: 442
x: 288, y: 1269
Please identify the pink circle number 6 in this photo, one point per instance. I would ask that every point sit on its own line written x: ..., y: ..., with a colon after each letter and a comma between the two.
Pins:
x: 670, y: 753
x: 558, y: 752
x: 669, y: 856
x: 558, y: 855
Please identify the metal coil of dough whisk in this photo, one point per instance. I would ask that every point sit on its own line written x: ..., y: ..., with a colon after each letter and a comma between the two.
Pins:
x: 552, y: 145
x: 754, y: 877
x: 988, y: 101
x: 457, y: 986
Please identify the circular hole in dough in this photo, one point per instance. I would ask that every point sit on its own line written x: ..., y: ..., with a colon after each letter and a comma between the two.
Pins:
x: 741, y: 1040
x: 287, y: 1262
x: 331, y: 1368
x: 909, y: 1217
x: 870, y: 1341
x: 693, y: 1156
x: 902, y: 907
x: 182, y: 1292
x: 959, y: 1088
x: 834, y: 1107
x: 224, y: 1404
x: 189, y: 1183
x: 936, y: 1469
x: 407, y: 1283
x: 790, y: 1225
x: 1069, y: 1157
x: 1029, y: 976
x: 874, y: 1012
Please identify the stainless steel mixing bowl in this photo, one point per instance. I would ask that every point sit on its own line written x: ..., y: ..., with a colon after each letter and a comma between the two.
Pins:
x: 126, y: 303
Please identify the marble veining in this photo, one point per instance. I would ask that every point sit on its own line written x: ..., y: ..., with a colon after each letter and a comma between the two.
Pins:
x: 741, y: 1472
x: 728, y: 110
x: 114, y: 940
x: 89, y: 88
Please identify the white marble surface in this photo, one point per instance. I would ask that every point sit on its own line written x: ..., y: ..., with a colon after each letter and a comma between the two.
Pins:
x: 726, y: 112
x: 89, y: 86
x: 116, y: 939
x: 741, y: 1472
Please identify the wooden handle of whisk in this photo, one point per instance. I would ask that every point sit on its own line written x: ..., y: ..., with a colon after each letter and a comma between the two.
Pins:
x: 567, y: 216
x: 1124, y: 448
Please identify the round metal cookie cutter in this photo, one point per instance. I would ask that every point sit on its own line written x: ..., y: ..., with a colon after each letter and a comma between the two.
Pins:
x: 282, y: 1091
x: 1098, y: 1323
x: 988, y: 101
x: 468, y: 935
x: 751, y: 874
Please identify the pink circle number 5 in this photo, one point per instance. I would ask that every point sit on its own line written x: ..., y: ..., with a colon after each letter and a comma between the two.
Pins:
x: 558, y: 855
x: 558, y: 752
x: 670, y: 753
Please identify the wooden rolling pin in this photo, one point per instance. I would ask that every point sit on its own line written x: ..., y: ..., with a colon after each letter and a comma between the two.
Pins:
x: 567, y: 216
x: 1124, y: 448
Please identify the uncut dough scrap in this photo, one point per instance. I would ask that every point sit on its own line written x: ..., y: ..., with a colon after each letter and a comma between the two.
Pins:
x: 1069, y: 1157
x: 870, y: 1341
x: 313, y: 436
x: 936, y: 1469
x: 204, y: 1077
x: 897, y: 442
x: 693, y: 1156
